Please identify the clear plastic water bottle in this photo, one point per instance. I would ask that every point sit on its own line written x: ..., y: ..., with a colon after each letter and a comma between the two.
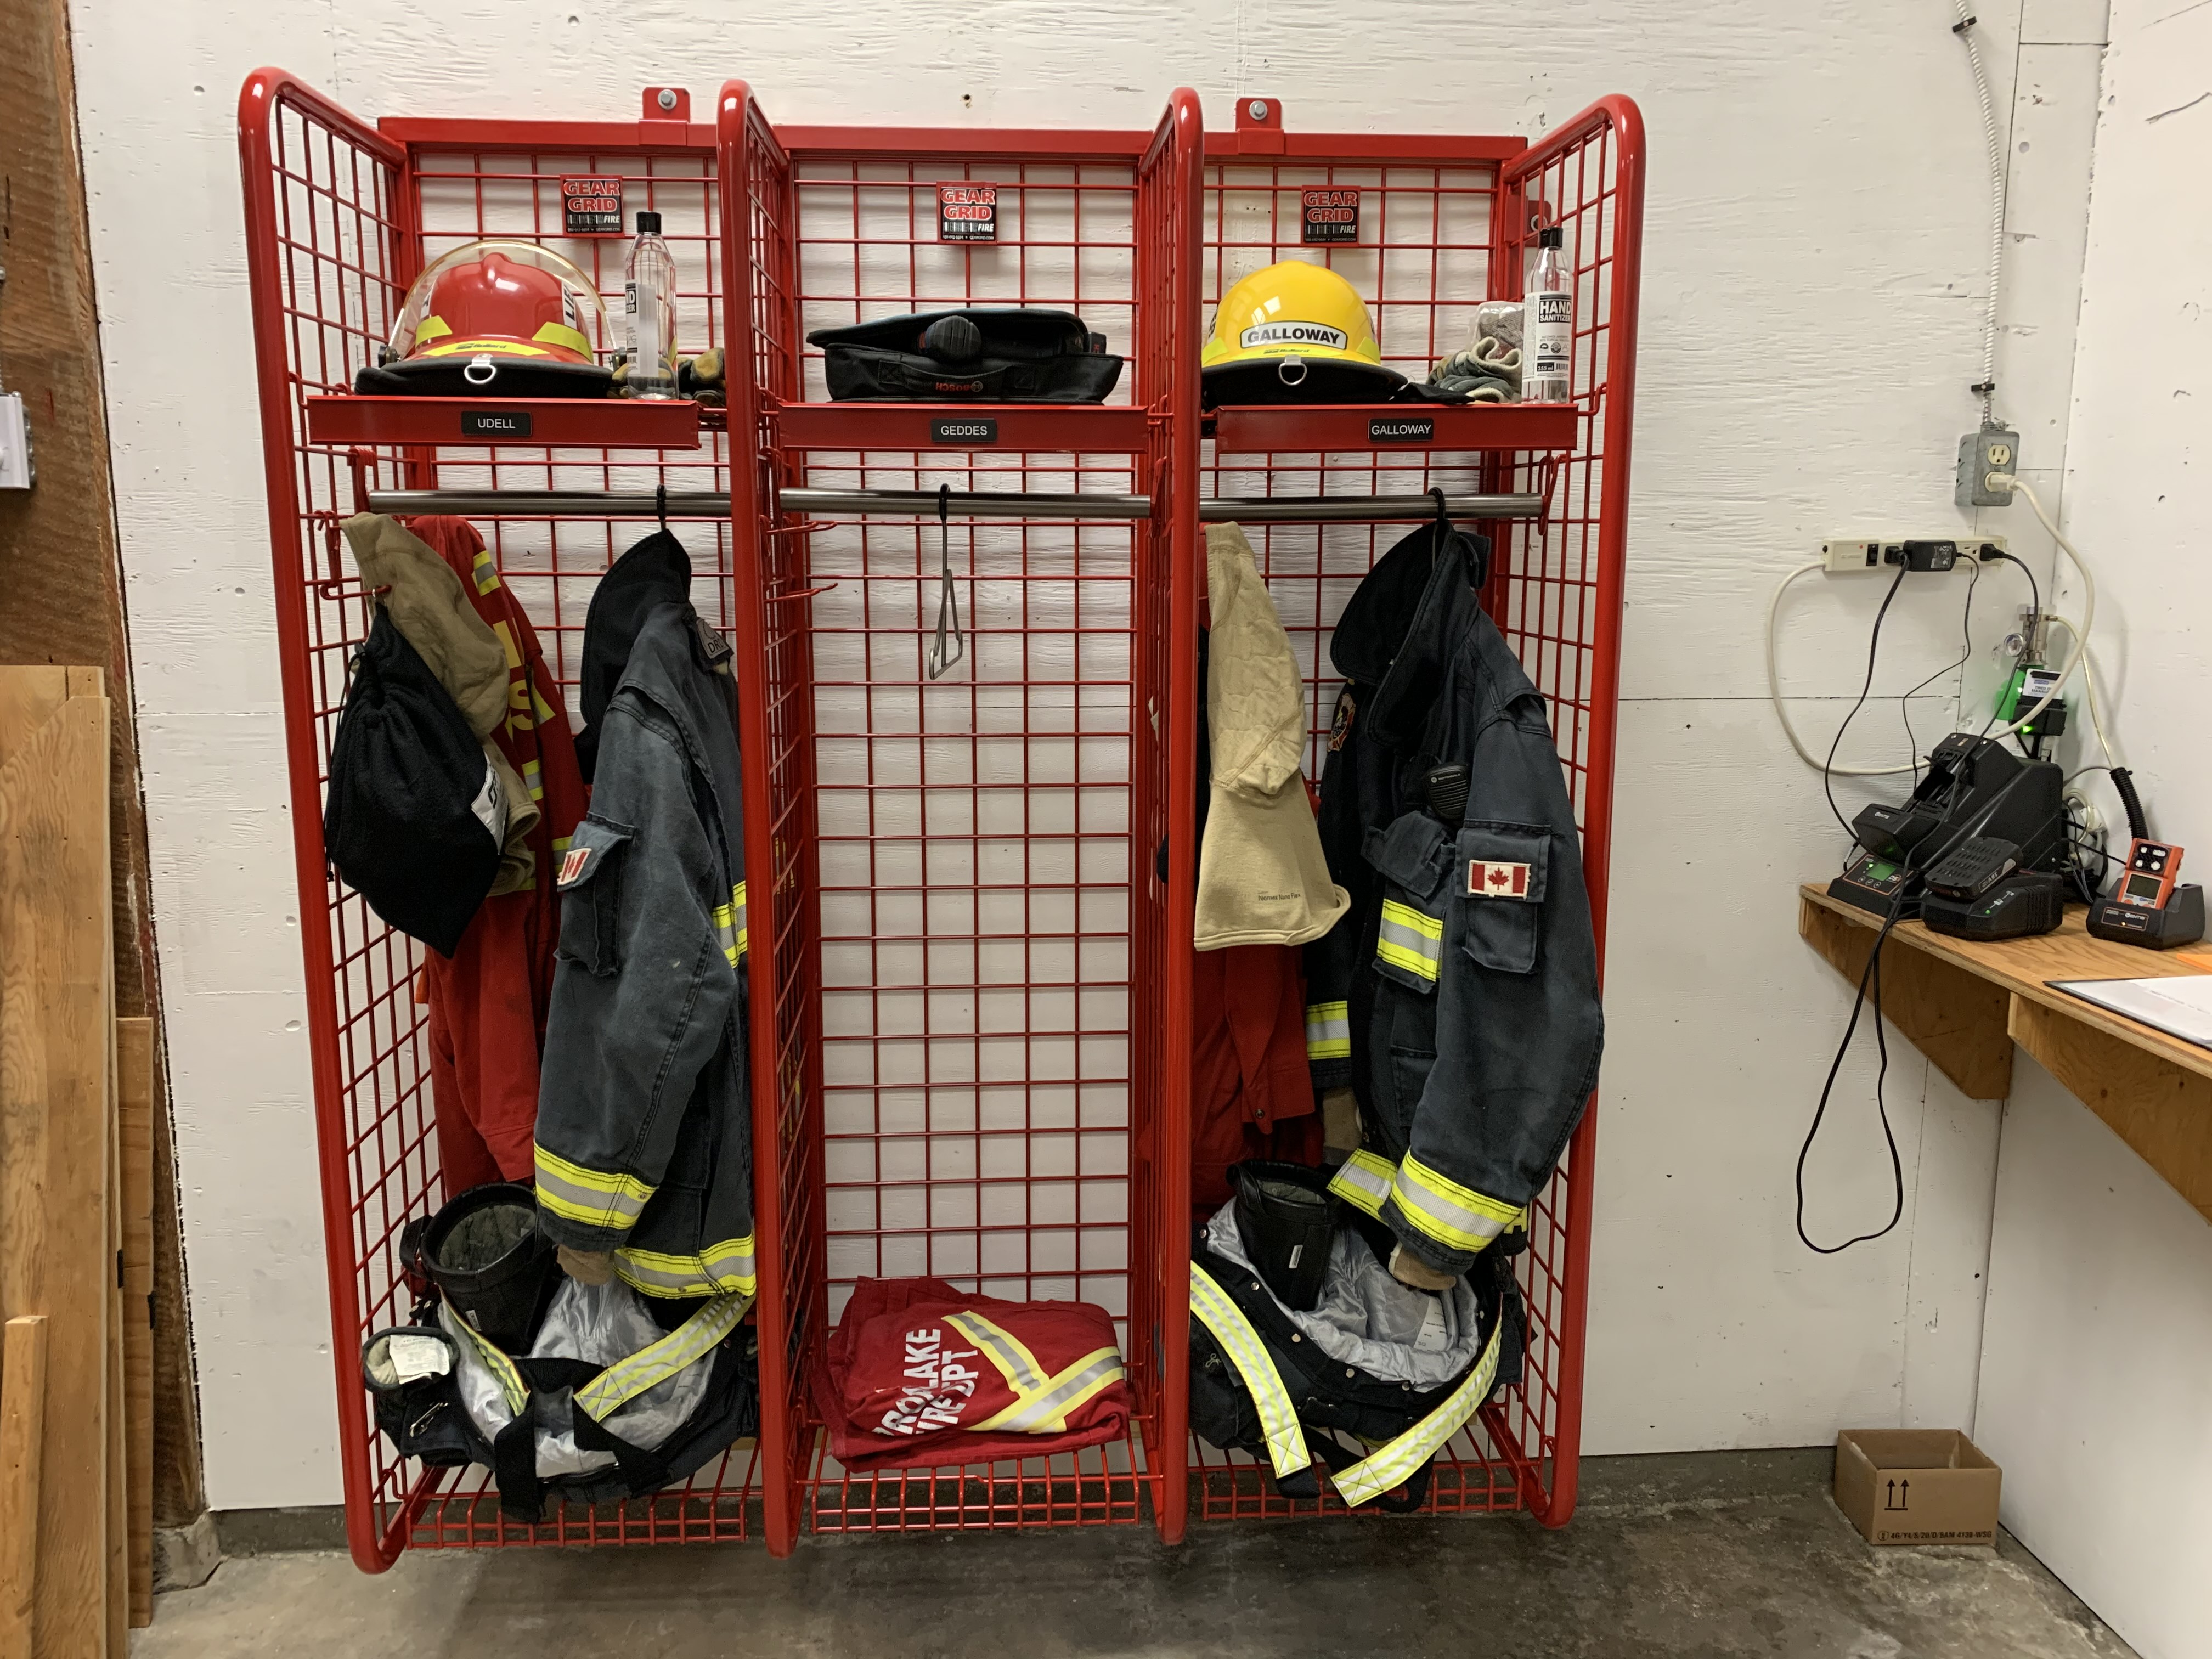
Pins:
x: 1548, y: 360
x: 649, y: 310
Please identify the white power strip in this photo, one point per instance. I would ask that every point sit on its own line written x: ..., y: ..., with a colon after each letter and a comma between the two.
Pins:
x: 1859, y: 553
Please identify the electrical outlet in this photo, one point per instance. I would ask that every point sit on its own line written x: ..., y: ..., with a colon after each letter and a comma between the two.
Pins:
x: 1993, y: 449
x: 17, y: 472
x: 1844, y: 555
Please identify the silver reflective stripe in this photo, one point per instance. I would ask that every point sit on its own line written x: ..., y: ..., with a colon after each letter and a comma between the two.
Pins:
x: 1328, y: 1031
x: 723, y: 1267
x: 1364, y: 1181
x: 690, y: 1342
x: 1046, y: 1413
x: 1410, y: 938
x: 1012, y: 1360
x: 1399, y: 1461
x: 510, y: 1380
x: 1454, y: 1215
x: 600, y: 1201
x: 1279, y: 1418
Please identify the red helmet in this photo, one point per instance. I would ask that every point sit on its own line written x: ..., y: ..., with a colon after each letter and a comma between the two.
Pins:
x: 504, y: 299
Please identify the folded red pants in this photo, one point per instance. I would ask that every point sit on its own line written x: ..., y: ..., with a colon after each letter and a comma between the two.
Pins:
x: 919, y: 1375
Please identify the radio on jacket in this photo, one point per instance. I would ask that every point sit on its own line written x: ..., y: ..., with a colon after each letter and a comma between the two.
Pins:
x: 1466, y: 975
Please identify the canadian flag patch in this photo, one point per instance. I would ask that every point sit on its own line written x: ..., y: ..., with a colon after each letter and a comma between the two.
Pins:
x: 572, y: 866
x: 1486, y: 879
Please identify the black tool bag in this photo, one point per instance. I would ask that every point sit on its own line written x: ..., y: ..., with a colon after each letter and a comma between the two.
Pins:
x: 1331, y: 1398
x: 982, y: 355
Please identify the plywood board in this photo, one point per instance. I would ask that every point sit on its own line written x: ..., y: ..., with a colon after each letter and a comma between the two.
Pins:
x: 134, y: 1062
x: 23, y: 1429
x: 65, y: 585
x: 56, y: 1126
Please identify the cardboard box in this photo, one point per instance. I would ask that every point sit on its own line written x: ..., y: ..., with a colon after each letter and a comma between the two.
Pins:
x: 1916, y: 1486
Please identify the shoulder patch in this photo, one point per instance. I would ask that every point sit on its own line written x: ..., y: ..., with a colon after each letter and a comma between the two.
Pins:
x: 573, y: 866
x: 1488, y: 878
x: 1340, y: 727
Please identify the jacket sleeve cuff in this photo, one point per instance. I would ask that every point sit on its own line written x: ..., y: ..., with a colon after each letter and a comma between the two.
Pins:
x: 575, y: 1235
x: 1447, y: 1224
x: 585, y: 1208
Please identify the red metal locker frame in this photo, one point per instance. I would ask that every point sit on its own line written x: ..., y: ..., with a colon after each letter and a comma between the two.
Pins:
x: 336, y: 229
x: 1555, y: 588
x: 767, y: 174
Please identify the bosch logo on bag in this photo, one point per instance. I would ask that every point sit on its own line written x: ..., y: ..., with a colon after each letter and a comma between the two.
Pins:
x: 1294, y: 334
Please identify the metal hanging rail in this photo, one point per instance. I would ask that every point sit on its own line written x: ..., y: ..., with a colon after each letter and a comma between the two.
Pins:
x: 923, y: 503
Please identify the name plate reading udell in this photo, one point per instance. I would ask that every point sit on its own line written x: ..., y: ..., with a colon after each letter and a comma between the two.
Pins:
x: 495, y: 423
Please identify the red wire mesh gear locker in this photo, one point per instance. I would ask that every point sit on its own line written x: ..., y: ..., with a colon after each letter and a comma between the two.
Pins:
x: 956, y: 961
x: 1445, y: 222
x: 340, y: 216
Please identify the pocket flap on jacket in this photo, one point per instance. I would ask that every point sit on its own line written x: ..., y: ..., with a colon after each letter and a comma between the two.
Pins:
x: 1414, y: 851
x: 595, y: 845
x: 1504, y: 861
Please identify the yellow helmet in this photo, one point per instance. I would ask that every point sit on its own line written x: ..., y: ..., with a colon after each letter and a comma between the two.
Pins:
x: 1294, y: 333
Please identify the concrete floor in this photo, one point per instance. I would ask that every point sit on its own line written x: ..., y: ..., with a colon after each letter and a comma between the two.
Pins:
x: 1704, y: 1557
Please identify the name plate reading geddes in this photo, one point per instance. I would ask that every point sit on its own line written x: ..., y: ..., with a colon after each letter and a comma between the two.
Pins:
x: 964, y: 429
x: 495, y: 423
x: 1401, y: 429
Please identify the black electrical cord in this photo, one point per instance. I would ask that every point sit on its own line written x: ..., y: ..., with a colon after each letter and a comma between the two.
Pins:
x: 1966, y: 651
x: 1907, y: 867
x: 2034, y: 592
x: 1872, y: 971
x: 1874, y: 644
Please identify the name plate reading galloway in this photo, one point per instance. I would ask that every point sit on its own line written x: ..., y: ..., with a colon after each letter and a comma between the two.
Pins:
x: 495, y: 423
x: 962, y: 430
x: 1401, y: 429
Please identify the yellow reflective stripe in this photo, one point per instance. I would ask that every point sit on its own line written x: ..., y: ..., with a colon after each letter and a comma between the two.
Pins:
x: 689, y: 1342
x: 1003, y: 1349
x: 487, y: 575
x: 562, y: 334
x: 737, y: 904
x: 533, y: 780
x: 1402, y: 1458
x: 538, y: 706
x: 1364, y: 1181
x: 1410, y: 939
x: 510, y: 1380
x: 718, y: 1269
x: 589, y: 1196
x: 561, y: 842
x: 1279, y: 1418
x: 1445, y: 1210
x: 726, y: 933
x: 1328, y: 1031
x: 1066, y: 1393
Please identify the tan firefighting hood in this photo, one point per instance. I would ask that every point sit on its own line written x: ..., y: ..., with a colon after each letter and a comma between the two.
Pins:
x: 1261, y: 877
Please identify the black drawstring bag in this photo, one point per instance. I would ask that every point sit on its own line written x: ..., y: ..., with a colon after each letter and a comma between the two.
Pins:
x: 414, y: 817
x: 988, y: 353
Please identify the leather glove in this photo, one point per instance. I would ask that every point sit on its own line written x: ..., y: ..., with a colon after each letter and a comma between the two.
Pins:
x: 587, y: 1267
x: 1409, y: 1269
